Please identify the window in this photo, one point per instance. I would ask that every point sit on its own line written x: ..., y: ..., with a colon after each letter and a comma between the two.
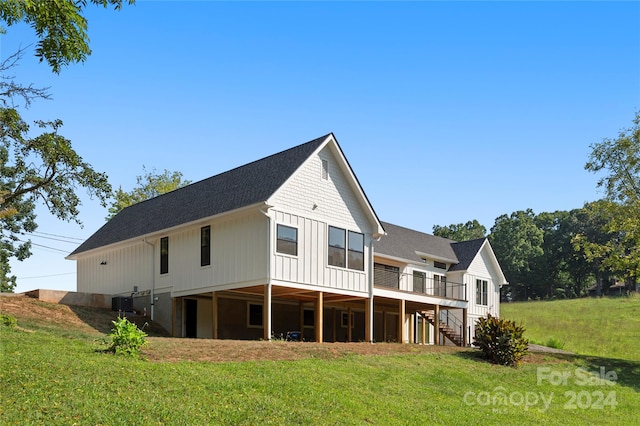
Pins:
x: 205, y: 246
x: 481, y: 292
x: 419, y: 279
x: 254, y: 315
x: 336, y: 246
x: 386, y: 276
x: 325, y: 169
x: 344, y: 319
x: 440, y: 285
x: 164, y: 255
x: 440, y: 265
x: 308, y: 318
x: 356, y: 251
x: 287, y: 240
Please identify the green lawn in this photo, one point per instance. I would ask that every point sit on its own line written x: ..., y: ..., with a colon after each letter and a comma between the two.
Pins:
x: 53, y: 375
x: 608, y: 326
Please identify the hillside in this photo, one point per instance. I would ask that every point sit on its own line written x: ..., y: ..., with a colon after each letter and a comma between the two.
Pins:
x: 52, y: 374
x: 606, y: 326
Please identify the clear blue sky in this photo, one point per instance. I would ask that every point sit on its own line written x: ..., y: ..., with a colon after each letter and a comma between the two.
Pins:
x: 447, y: 111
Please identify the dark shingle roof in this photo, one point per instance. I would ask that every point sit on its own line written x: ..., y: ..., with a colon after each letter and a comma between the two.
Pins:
x: 466, y: 251
x: 243, y: 186
x: 404, y: 242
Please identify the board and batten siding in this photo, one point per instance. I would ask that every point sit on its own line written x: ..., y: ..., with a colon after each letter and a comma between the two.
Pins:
x: 238, y: 255
x: 115, y: 271
x: 310, y: 266
x: 311, y: 203
x: 482, y: 269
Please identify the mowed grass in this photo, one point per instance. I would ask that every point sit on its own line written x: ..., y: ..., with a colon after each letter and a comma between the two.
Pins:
x: 52, y: 374
x: 607, y: 326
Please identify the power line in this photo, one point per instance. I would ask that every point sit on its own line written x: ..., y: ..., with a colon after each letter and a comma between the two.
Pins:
x: 46, y: 276
x: 51, y: 238
x: 45, y: 247
x: 60, y: 236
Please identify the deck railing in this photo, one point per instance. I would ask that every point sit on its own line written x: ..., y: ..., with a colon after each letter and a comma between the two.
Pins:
x: 390, y: 277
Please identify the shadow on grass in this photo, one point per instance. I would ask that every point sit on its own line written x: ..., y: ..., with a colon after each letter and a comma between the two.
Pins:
x: 627, y: 371
x: 101, y: 320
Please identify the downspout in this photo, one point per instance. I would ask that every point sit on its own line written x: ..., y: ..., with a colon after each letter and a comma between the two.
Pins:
x: 153, y: 276
x: 267, y: 309
x: 371, y: 273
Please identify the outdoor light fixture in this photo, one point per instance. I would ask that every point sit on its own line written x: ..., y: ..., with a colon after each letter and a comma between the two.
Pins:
x: 104, y: 262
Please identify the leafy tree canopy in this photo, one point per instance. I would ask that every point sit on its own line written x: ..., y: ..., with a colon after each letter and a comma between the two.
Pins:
x: 149, y: 185
x: 42, y: 168
x: 60, y: 26
x: 461, y: 231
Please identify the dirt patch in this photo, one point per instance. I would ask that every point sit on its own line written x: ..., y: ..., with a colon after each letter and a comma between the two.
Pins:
x: 167, y: 349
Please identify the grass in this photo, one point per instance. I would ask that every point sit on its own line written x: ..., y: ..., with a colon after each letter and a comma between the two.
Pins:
x: 606, y: 326
x: 51, y: 374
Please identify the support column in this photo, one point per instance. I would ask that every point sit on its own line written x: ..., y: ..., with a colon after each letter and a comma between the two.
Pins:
x: 319, y: 315
x: 436, y: 326
x: 384, y: 325
x: 368, y: 319
x: 412, y: 331
x: 465, y: 338
x: 402, y: 330
x: 424, y: 330
x: 214, y: 319
x: 174, y: 316
x: 333, y: 324
x: 349, y: 324
x: 266, y: 313
x: 301, y: 315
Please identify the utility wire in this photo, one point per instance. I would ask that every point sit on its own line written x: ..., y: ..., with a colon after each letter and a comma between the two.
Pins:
x: 60, y: 236
x: 51, y: 238
x: 46, y: 276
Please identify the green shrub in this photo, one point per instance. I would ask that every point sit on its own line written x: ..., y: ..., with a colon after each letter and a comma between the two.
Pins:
x: 126, y: 338
x: 552, y: 342
x: 8, y: 321
x: 501, y: 341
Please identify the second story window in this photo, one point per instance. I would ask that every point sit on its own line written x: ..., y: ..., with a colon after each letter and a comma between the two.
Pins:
x: 356, y: 251
x: 337, y: 245
x: 164, y: 255
x: 205, y: 246
x: 287, y: 240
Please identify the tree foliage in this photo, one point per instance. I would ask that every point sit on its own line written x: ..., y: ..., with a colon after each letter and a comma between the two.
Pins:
x: 37, y: 163
x: 149, y: 185
x: 619, y: 159
x: 59, y: 25
x: 461, y: 231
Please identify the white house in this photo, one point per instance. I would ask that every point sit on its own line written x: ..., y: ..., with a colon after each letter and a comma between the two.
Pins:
x: 288, y: 243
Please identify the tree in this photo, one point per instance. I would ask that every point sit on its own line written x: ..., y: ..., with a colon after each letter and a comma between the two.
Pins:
x: 461, y: 232
x: 517, y: 243
x: 44, y: 167
x: 620, y: 159
x: 60, y: 26
x: 150, y: 185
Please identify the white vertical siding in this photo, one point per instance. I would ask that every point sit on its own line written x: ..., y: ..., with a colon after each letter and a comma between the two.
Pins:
x: 481, y: 269
x: 310, y: 265
x: 125, y: 268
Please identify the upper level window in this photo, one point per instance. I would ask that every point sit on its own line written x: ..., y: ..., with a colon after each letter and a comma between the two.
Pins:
x: 481, y: 292
x: 440, y: 285
x: 419, y: 279
x: 440, y: 265
x: 164, y: 255
x: 337, y: 246
x: 205, y: 246
x: 386, y: 276
x: 287, y: 240
x: 356, y: 251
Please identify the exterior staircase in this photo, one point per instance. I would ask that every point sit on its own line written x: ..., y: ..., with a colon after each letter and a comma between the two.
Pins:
x: 446, y: 330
